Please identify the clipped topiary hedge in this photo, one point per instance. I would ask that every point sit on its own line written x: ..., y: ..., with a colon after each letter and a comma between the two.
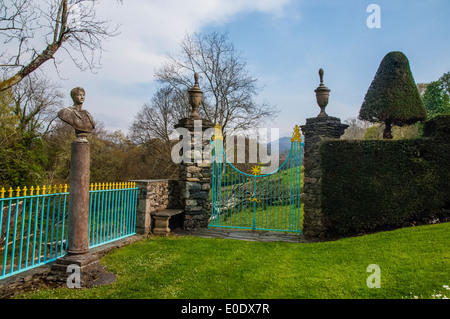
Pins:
x: 393, y: 98
x: 371, y: 185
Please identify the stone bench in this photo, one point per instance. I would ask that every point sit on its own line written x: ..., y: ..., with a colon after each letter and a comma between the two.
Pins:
x: 162, y: 218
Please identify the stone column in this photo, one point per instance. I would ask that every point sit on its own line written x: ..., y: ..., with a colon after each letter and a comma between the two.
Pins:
x: 143, y: 217
x: 78, y: 219
x: 315, y: 131
x: 194, y: 172
x: 84, y: 267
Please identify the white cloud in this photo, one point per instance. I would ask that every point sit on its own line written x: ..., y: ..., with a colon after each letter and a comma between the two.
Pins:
x: 150, y: 29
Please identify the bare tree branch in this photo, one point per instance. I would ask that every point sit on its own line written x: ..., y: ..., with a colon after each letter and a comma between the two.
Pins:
x: 36, y: 103
x: 69, y: 24
x: 228, y: 90
x: 157, y: 118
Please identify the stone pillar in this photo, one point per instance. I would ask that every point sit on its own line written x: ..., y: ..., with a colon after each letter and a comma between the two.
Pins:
x: 84, y: 267
x: 143, y: 218
x: 78, y: 219
x: 194, y: 172
x: 315, y: 131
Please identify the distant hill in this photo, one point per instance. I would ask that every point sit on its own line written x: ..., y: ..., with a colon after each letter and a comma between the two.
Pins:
x: 284, y: 144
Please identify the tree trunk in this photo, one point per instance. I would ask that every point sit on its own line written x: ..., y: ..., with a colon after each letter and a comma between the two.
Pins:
x: 387, y: 133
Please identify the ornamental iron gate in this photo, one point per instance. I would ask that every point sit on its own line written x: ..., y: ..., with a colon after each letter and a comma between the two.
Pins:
x: 256, y: 201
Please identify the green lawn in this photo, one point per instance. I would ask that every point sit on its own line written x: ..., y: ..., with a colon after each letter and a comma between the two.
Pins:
x: 267, y: 217
x: 413, y: 262
x: 268, y: 208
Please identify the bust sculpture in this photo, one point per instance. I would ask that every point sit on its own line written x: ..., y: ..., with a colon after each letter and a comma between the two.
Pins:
x: 75, y: 116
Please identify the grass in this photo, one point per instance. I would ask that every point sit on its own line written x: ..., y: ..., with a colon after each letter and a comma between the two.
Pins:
x: 272, y: 209
x: 267, y: 217
x: 413, y: 262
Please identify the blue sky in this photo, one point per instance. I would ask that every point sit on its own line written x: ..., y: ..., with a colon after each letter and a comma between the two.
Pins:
x: 284, y: 43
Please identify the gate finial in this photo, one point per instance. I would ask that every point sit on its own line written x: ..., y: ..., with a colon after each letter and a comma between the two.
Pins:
x: 296, y: 136
x: 217, y: 133
x: 322, y: 95
x: 195, y: 98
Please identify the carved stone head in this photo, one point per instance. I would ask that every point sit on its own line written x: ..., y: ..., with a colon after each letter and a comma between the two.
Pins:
x: 78, y: 95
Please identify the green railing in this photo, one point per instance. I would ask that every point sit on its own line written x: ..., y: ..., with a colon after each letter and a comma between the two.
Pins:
x: 33, y: 222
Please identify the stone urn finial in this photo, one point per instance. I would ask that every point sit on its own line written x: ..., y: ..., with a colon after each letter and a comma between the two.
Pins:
x: 322, y: 95
x: 195, y: 98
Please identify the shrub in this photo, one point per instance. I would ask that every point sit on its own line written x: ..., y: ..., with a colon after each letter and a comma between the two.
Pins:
x: 374, y: 184
x: 393, y: 98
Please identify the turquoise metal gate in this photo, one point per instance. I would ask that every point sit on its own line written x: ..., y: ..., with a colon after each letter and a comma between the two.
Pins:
x: 257, y: 201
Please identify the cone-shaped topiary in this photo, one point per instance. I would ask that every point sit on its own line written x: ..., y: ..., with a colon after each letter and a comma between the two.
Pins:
x: 393, y: 98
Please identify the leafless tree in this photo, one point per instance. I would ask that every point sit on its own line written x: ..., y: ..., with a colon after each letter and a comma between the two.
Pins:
x: 32, y: 31
x: 228, y: 90
x: 36, y: 104
x: 356, y: 129
x: 422, y: 87
x: 29, y: 107
x: 157, y: 118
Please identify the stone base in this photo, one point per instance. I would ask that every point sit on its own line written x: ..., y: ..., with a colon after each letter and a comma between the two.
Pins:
x: 161, y: 226
x: 162, y: 219
x: 196, y: 221
x: 76, y: 271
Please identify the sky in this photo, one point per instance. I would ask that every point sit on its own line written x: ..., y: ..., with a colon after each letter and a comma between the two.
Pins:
x: 283, y: 42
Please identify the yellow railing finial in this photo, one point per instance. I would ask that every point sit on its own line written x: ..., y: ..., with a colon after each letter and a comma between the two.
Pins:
x: 55, y: 189
x: 217, y: 133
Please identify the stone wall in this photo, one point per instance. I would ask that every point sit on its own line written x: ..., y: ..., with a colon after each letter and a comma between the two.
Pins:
x: 155, y: 195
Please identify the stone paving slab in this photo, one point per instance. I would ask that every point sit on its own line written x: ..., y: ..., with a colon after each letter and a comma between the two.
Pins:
x: 241, y: 234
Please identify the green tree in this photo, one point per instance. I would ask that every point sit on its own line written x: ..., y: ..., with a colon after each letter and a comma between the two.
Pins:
x: 375, y: 132
x: 436, y: 99
x: 445, y: 82
x: 393, y: 98
x: 8, y: 120
x: 27, y: 113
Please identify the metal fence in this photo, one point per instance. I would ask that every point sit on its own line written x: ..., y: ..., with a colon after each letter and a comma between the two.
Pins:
x: 256, y: 201
x: 33, y: 222
x: 112, y: 213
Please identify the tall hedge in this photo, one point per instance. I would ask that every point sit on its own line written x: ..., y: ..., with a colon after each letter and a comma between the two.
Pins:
x: 378, y: 184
